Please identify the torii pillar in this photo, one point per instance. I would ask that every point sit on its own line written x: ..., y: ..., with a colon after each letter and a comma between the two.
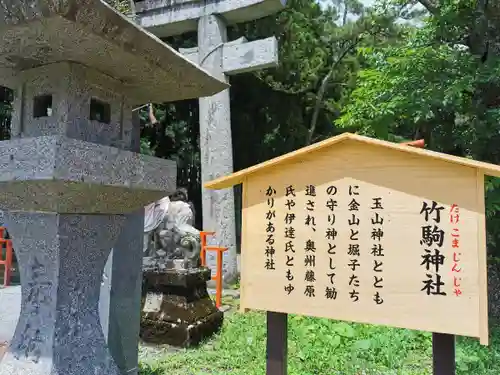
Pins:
x: 221, y: 58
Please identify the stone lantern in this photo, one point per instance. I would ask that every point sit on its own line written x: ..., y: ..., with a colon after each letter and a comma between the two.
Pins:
x: 68, y: 177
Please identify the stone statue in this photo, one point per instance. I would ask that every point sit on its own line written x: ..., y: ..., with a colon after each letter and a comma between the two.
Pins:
x: 176, y: 307
x: 169, y: 232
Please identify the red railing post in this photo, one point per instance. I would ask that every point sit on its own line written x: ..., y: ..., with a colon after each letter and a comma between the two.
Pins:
x: 218, y: 273
x: 203, y: 238
x: 7, y: 262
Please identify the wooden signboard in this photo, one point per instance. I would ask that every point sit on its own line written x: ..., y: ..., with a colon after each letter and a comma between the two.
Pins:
x: 369, y: 231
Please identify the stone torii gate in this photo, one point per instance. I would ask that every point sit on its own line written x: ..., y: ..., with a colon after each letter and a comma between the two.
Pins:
x: 222, y: 59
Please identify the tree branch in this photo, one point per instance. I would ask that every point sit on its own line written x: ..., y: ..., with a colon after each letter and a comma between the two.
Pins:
x: 430, y: 5
x: 322, y: 89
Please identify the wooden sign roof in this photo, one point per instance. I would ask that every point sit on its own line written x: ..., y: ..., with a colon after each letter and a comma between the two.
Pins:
x: 238, y: 177
x: 369, y: 231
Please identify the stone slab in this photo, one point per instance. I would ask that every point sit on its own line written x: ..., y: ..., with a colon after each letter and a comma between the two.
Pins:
x: 92, y: 33
x: 174, y: 17
x: 176, y: 308
x: 181, y: 335
x: 59, y: 174
x: 240, y: 56
x: 186, y: 279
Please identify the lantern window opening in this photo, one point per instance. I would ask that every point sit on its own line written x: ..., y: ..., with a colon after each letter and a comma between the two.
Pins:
x: 42, y: 106
x: 100, y: 111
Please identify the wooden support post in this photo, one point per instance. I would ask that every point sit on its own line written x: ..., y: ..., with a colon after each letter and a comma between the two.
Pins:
x: 218, y: 281
x: 443, y: 354
x: 277, y: 343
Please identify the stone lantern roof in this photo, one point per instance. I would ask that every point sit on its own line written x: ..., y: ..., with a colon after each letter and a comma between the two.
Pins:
x: 91, y: 33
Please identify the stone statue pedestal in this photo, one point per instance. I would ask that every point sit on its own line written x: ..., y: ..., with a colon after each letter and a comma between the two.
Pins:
x: 176, y: 307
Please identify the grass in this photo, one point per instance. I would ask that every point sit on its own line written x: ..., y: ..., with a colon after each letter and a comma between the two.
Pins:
x: 324, y: 347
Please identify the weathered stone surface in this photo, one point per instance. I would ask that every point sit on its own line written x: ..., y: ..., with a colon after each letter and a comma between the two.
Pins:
x: 240, y: 56
x: 71, y: 88
x: 90, y: 32
x: 181, y: 335
x: 173, y: 17
x: 175, y: 278
x: 216, y: 149
x: 61, y: 259
x: 59, y: 174
x: 186, y: 315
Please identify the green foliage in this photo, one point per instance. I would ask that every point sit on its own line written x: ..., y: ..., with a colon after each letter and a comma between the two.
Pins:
x: 317, y: 62
x: 146, y: 148
x: 123, y: 6
x: 408, y: 86
x: 147, y: 369
x: 440, y: 82
x: 492, y: 214
x: 322, y: 346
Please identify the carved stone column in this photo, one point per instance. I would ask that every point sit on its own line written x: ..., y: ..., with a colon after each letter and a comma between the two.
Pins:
x: 61, y: 258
